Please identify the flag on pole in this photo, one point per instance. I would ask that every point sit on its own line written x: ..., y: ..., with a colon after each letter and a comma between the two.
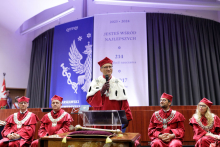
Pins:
x: 3, y: 95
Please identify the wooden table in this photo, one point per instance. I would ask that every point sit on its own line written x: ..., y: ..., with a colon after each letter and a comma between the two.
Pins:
x: 127, y: 140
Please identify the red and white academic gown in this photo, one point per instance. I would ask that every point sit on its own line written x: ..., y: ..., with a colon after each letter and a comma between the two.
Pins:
x: 174, y: 125
x: 117, y: 99
x: 26, y: 130
x: 53, y: 123
x: 200, y: 128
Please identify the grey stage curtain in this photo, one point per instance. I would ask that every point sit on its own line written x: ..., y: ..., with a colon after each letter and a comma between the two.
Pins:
x: 183, y: 58
x: 38, y: 89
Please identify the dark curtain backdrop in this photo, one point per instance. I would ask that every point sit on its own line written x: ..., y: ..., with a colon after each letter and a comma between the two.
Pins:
x: 183, y: 58
x: 40, y: 70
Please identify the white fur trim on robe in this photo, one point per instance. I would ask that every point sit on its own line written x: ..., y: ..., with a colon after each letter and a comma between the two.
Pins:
x: 115, y: 85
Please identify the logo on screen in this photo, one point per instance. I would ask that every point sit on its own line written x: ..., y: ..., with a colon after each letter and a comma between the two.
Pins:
x: 84, y: 69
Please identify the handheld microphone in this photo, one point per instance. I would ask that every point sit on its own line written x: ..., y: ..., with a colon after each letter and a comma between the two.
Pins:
x: 106, y: 78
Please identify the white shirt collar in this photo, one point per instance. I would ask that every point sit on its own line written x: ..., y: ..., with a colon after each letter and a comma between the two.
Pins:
x: 166, y: 110
x: 23, y: 112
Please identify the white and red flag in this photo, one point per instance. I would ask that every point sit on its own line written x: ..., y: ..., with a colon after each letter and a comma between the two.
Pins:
x: 3, y: 95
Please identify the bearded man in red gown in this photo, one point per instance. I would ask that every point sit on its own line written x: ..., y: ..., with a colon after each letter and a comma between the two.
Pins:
x: 20, y: 127
x: 55, y: 122
x: 206, y: 125
x: 166, y: 128
x: 108, y: 95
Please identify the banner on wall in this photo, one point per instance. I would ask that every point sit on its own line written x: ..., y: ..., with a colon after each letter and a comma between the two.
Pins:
x: 71, y: 71
x: 122, y: 38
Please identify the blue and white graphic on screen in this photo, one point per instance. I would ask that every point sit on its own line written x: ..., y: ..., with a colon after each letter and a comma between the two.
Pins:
x: 75, y: 58
x: 71, y: 72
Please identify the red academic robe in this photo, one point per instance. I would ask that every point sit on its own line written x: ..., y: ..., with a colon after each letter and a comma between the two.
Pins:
x: 26, y: 131
x: 199, y: 132
x: 99, y: 102
x: 47, y: 127
x: 174, y: 126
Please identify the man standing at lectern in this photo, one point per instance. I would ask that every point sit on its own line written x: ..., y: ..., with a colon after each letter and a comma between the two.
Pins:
x: 166, y: 128
x: 20, y: 126
x: 55, y: 122
x: 107, y: 92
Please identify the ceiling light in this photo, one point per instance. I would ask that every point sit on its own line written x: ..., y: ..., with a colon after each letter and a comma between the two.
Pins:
x: 48, y: 21
x: 193, y: 5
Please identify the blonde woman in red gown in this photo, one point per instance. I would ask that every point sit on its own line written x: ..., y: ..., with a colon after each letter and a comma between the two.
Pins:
x: 206, y: 125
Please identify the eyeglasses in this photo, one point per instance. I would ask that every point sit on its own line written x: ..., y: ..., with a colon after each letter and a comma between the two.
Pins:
x: 106, y: 67
x: 23, y: 103
x: 164, y: 100
x: 202, y: 106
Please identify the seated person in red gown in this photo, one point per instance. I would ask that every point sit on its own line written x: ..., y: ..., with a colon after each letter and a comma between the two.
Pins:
x: 166, y: 128
x: 206, y: 125
x: 55, y: 122
x: 20, y: 126
x: 108, y: 95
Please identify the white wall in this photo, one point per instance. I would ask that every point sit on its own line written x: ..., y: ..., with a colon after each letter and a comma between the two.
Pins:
x: 15, y: 50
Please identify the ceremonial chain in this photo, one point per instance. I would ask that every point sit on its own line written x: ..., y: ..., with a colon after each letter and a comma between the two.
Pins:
x: 165, y: 121
x: 54, y: 121
x: 206, y: 128
x: 19, y: 123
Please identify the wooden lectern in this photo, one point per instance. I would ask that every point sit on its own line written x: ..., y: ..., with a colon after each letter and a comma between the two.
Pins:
x: 127, y: 140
